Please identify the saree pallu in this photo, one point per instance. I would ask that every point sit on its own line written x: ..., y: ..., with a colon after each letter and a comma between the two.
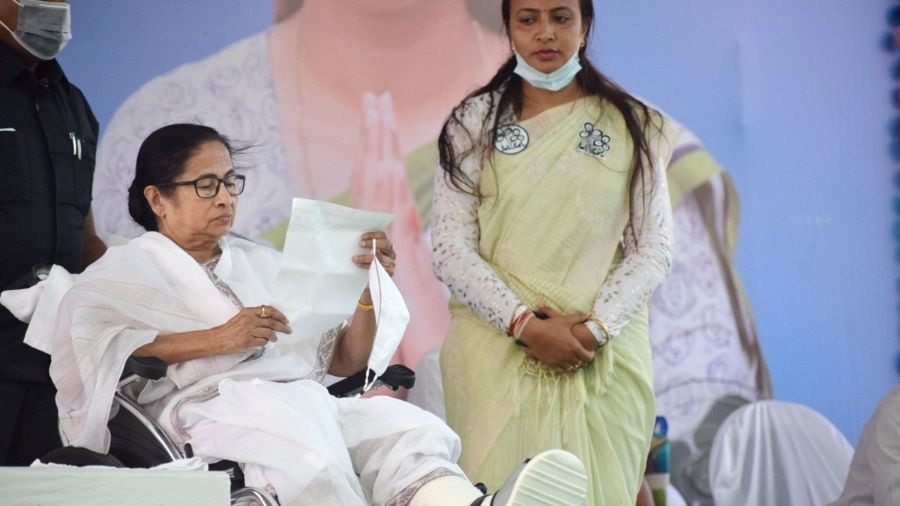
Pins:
x: 551, y: 226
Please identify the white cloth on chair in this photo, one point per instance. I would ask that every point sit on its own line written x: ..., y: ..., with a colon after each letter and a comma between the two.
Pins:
x: 673, y: 496
x: 429, y: 391
x: 774, y: 452
x: 874, y: 477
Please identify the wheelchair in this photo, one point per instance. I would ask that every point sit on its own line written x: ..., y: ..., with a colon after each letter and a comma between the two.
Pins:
x: 138, y: 441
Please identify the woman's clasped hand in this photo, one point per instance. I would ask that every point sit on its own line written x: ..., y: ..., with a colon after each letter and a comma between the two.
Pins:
x: 559, y: 341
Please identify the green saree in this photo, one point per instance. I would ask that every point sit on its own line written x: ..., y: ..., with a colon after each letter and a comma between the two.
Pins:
x: 551, y: 226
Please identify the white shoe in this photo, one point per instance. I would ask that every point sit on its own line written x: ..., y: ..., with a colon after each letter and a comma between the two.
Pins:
x: 552, y: 478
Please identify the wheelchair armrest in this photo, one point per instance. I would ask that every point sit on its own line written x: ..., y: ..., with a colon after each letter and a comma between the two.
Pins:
x: 398, y: 375
x: 151, y: 368
x: 394, y: 377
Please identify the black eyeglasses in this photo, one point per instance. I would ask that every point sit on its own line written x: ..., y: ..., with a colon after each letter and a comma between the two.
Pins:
x: 207, y: 187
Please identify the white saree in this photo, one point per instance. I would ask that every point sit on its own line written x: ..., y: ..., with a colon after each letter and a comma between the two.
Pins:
x: 268, y: 412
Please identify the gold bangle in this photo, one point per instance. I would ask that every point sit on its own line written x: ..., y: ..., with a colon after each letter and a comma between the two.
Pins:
x: 367, y: 307
x: 603, y: 327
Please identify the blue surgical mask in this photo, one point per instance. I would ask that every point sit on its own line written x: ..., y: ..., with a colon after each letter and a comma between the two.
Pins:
x: 554, y: 81
x: 43, y: 28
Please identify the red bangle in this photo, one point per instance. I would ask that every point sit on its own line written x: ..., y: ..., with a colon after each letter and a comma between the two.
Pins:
x: 520, y: 324
x: 512, y: 322
x: 515, y: 327
x: 515, y: 321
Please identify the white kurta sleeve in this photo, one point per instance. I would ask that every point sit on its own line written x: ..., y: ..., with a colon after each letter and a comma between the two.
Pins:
x: 455, y: 252
x: 647, y: 261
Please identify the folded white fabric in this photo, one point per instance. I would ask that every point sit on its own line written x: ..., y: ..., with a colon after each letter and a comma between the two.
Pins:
x: 22, y: 302
x: 39, y: 301
x: 40, y: 330
x: 190, y: 464
x: 673, y: 496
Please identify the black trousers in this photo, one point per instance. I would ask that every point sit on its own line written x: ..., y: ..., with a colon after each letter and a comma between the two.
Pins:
x: 28, y: 421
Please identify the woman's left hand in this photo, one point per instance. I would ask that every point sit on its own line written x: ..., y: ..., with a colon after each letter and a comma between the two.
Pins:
x: 384, y: 249
x: 579, y: 330
x: 585, y: 337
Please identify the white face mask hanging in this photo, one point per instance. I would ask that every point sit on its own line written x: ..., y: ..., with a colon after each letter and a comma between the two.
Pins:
x: 43, y: 28
x: 554, y: 81
x: 391, y: 318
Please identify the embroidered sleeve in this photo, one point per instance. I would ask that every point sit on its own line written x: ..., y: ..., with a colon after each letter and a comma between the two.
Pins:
x: 648, y: 257
x: 456, y: 259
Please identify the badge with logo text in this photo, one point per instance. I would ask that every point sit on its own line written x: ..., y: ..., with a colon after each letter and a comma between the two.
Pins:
x: 511, y: 139
x: 594, y: 141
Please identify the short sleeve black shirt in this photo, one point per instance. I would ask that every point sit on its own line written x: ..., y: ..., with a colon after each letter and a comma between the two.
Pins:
x: 48, y: 139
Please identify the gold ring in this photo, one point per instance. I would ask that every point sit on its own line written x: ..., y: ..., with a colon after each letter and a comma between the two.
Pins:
x: 262, y: 312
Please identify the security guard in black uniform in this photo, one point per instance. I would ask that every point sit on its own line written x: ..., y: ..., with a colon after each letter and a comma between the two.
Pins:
x: 48, y: 136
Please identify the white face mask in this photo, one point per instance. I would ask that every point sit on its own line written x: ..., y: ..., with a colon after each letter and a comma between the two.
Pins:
x: 391, y: 318
x: 554, y: 81
x: 43, y: 28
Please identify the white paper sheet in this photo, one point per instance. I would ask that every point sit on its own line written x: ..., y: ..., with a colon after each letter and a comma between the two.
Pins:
x: 318, y: 284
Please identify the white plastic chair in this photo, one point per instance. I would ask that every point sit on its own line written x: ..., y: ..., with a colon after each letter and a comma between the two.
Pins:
x: 429, y: 391
x: 774, y: 453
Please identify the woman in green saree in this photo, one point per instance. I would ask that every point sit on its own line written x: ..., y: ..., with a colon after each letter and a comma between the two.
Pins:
x: 552, y: 227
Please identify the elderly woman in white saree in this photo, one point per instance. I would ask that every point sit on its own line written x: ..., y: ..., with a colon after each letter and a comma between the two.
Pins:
x: 188, y: 294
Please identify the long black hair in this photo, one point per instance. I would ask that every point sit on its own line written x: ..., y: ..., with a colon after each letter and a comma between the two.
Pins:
x: 640, y: 120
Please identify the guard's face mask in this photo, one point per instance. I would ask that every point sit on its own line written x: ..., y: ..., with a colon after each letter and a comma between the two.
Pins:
x: 391, y: 317
x: 43, y: 28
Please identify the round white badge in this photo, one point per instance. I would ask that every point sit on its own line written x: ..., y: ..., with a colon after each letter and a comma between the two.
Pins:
x: 511, y: 139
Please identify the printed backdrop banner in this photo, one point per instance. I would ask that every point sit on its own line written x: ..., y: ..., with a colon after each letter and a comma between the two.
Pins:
x: 342, y: 101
